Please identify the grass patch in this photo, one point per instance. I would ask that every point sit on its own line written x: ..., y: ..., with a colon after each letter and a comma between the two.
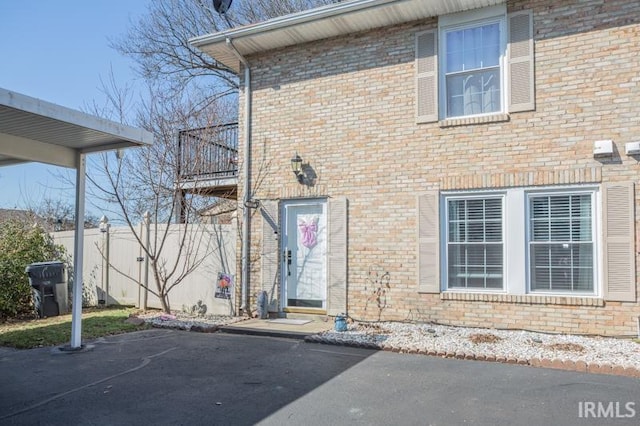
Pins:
x: 57, y: 330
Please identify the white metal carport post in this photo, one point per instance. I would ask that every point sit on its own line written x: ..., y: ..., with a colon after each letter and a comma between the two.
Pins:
x: 32, y: 130
x: 78, y: 245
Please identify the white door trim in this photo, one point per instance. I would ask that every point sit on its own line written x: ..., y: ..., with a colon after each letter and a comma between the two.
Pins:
x: 285, y: 267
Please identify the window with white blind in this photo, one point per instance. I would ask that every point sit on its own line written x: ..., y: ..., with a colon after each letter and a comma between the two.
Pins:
x: 561, y: 243
x: 521, y: 240
x: 475, y: 249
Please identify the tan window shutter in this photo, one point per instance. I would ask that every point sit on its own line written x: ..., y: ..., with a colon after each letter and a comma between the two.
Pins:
x: 619, y: 251
x: 521, y: 62
x: 269, y: 256
x: 426, y: 77
x: 429, y: 242
x: 337, y: 257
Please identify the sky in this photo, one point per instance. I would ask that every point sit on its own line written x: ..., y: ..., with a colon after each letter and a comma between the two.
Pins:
x: 57, y: 51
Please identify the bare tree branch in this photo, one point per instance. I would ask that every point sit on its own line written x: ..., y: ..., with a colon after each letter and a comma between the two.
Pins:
x: 159, y: 41
x: 185, y: 89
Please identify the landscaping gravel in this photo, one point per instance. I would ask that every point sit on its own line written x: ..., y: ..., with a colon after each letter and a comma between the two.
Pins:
x: 500, y: 345
x: 184, y: 321
x: 514, y: 346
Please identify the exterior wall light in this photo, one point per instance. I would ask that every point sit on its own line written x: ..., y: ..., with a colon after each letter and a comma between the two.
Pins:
x: 252, y: 203
x: 296, y: 167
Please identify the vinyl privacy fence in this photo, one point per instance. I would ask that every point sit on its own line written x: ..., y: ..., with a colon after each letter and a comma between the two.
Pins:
x: 114, y: 265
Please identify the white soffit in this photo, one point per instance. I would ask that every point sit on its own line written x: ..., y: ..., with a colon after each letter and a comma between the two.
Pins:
x: 333, y: 20
x: 35, y: 130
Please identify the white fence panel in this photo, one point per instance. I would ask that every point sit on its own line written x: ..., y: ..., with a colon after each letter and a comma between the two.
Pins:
x: 208, y: 249
x: 124, y: 271
x: 92, y: 262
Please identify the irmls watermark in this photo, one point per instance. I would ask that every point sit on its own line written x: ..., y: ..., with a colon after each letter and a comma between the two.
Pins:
x: 606, y: 410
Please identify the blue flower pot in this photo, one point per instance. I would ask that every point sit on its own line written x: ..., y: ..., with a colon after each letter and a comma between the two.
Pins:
x: 341, y: 323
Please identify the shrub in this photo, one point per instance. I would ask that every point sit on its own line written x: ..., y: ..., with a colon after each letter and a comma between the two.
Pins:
x: 20, y: 245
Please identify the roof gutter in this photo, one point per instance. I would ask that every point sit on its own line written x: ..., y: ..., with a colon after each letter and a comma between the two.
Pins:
x: 292, y: 19
x: 246, y: 187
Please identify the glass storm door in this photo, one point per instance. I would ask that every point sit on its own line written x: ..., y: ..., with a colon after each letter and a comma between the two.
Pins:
x: 304, y: 258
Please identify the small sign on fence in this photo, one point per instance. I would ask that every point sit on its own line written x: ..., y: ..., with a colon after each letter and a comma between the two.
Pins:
x: 223, y: 286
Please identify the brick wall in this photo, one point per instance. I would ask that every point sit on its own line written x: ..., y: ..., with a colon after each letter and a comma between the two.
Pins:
x: 346, y: 105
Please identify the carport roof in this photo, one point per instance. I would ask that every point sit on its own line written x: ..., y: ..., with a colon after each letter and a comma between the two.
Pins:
x: 39, y: 131
x: 35, y: 130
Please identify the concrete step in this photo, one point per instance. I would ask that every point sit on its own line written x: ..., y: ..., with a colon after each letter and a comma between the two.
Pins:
x: 275, y: 328
x: 310, y: 317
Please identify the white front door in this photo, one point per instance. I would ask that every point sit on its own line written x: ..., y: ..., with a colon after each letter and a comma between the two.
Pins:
x: 304, y: 260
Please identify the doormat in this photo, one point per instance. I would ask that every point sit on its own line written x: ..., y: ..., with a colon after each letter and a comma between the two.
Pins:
x: 289, y: 321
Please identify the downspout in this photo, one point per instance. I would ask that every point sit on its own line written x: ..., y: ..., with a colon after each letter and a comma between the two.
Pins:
x: 246, y: 196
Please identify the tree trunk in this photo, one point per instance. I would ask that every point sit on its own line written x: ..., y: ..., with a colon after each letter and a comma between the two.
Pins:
x: 164, y: 299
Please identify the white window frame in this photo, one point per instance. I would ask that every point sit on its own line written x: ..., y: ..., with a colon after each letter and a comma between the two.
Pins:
x: 515, y: 234
x: 471, y: 19
x: 595, y: 236
x: 445, y: 239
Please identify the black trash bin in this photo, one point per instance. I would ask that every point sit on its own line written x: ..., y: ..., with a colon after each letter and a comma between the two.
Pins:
x: 49, y: 285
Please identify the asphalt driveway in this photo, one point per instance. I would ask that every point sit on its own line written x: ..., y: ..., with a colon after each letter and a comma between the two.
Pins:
x: 167, y: 377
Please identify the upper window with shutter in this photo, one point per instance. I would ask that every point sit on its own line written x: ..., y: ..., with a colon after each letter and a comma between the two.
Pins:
x: 472, y: 72
x: 477, y: 63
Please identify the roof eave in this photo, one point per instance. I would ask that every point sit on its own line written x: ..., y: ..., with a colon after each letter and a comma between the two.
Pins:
x: 286, y: 21
x: 250, y: 39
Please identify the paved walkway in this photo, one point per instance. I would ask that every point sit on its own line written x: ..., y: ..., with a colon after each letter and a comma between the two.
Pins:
x: 320, y: 329
x: 171, y: 377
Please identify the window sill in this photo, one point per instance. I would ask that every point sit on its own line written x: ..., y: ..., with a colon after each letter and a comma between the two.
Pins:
x: 527, y: 299
x: 465, y: 121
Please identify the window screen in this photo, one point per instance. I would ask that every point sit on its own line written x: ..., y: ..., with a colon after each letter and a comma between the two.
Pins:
x: 561, y: 243
x: 475, y: 243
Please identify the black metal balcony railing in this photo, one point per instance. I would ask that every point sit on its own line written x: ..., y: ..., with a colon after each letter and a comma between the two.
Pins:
x: 209, y: 152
